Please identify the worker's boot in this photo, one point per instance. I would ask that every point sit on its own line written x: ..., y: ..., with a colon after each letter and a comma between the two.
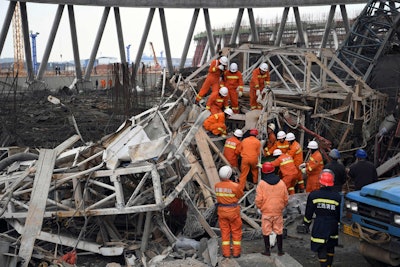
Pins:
x: 279, y: 240
x: 330, y: 259
x: 267, y: 246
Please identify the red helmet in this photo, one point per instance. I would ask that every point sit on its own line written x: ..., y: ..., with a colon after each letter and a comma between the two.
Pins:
x: 267, y: 167
x: 254, y: 132
x: 326, y: 177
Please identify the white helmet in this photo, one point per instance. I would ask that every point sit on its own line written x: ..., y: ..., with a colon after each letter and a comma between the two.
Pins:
x: 281, y: 135
x: 225, y: 172
x: 277, y: 152
x: 229, y: 111
x: 312, y: 145
x: 290, y: 137
x: 223, y: 91
x: 224, y: 60
x: 233, y: 67
x: 264, y: 66
x: 271, y: 126
x: 238, y: 133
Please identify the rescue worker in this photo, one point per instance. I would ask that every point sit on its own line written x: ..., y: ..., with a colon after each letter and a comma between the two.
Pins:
x: 271, y: 139
x: 233, y: 80
x: 213, y: 79
x: 231, y: 152
x: 362, y: 172
x: 259, y: 84
x: 325, y: 204
x: 271, y: 199
x: 338, y: 169
x: 215, y: 123
x: 228, y: 194
x: 287, y: 170
x: 312, y: 167
x: 218, y: 101
x: 249, y: 150
x: 296, y: 152
x: 281, y: 144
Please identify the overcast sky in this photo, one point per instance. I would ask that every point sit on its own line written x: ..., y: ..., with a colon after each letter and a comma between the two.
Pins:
x: 41, y: 17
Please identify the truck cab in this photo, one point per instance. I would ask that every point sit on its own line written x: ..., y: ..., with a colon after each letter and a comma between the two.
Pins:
x: 374, y: 212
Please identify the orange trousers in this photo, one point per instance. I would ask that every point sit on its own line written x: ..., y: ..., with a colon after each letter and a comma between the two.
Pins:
x: 247, y: 166
x: 211, y: 81
x: 231, y: 225
x: 233, y: 96
x: 290, y: 182
x: 312, y: 183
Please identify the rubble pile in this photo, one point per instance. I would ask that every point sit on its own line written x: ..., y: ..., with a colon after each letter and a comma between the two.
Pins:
x: 144, y: 192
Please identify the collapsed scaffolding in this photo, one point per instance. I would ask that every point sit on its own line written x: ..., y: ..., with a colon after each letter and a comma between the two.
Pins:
x: 113, y: 196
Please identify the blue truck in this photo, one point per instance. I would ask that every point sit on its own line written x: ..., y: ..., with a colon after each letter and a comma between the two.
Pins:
x: 374, y: 213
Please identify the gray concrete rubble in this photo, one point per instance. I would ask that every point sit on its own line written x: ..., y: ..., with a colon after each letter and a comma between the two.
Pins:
x: 144, y: 193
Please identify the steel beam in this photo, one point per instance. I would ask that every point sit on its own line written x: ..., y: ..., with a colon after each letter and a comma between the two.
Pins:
x: 202, y: 3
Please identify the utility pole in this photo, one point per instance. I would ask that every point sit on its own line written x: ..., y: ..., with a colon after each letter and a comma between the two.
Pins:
x: 128, y: 58
x: 34, y: 56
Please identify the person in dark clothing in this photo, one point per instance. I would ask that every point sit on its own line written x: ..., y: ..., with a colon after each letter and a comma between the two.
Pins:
x: 362, y: 172
x: 338, y: 169
x: 324, y: 203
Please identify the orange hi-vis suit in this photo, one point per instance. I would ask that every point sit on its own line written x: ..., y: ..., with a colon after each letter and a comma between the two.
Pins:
x: 212, y: 80
x: 233, y: 81
x: 228, y: 194
x: 215, y: 123
x: 314, y: 166
x: 249, y: 150
x: 216, y: 103
x: 231, y: 152
x: 288, y: 171
x: 296, y: 152
x: 258, y: 82
x: 283, y: 146
x: 270, y: 144
x: 271, y: 199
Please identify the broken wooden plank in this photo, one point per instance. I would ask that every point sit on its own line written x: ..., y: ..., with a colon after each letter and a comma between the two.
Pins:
x: 250, y: 221
x: 34, y: 220
x: 206, y: 157
x: 67, y: 143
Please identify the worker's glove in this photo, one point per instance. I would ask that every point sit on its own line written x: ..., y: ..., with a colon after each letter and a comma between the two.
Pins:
x: 259, y: 99
x: 202, y: 102
x: 240, y: 94
x: 302, y: 166
x: 259, y: 212
x: 221, y: 67
x: 259, y: 165
x: 258, y: 93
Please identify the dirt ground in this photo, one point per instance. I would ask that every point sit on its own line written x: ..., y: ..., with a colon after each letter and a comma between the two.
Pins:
x: 298, y: 247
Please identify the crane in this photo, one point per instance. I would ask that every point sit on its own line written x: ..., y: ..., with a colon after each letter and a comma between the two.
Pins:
x: 18, y: 41
x: 156, y: 64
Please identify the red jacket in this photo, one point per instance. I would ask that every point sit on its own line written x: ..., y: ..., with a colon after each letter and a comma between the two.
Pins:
x: 231, y: 152
x: 296, y: 152
x: 233, y: 80
x: 250, y: 148
x: 228, y: 194
x: 216, y: 103
x: 259, y: 81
